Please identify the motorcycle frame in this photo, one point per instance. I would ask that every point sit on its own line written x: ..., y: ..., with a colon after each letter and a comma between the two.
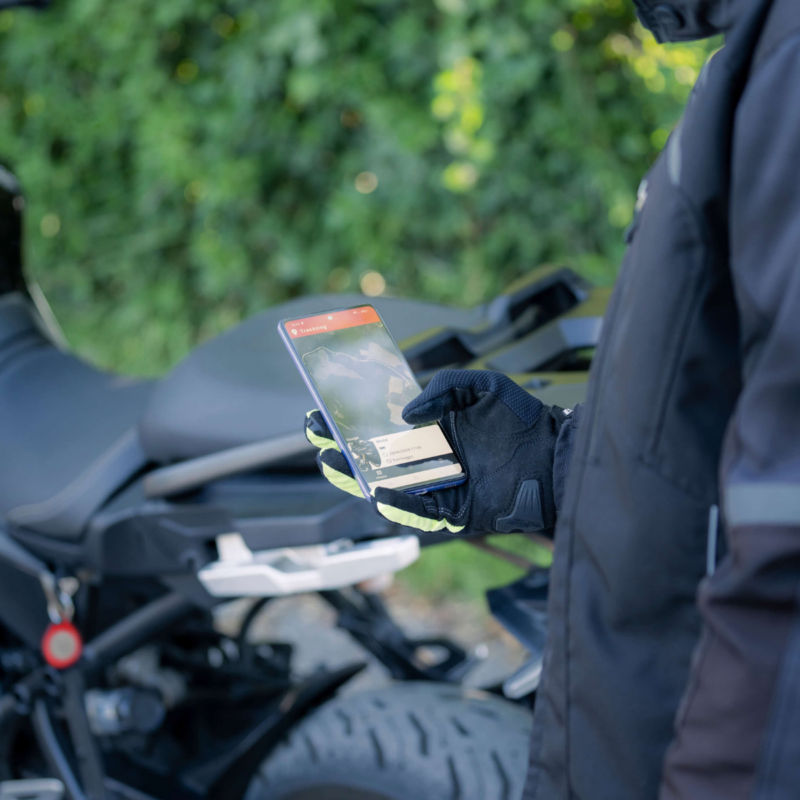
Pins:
x: 177, y: 596
x: 184, y: 508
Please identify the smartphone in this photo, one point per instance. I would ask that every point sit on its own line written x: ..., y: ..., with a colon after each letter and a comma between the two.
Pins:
x: 362, y: 382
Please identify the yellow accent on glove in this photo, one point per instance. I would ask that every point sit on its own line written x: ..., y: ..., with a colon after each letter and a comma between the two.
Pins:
x: 341, y: 481
x: 410, y: 520
x: 320, y: 442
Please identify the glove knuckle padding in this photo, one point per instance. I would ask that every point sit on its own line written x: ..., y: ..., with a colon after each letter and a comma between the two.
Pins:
x: 458, y: 389
x: 491, y: 416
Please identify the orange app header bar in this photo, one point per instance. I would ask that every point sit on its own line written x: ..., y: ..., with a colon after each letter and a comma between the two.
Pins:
x: 335, y: 321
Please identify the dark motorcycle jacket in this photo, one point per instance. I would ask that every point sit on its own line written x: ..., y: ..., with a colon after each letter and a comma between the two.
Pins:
x: 694, y: 403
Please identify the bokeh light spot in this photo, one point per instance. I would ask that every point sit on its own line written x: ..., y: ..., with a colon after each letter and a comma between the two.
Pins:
x: 366, y: 182
x: 34, y: 105
x: 659, y: 138
x: 583, y: 20
x: 339, y: 279
x: 452, y: 6
x: 373, y: 283
x: 443, y: 106
x: 195, y: 191
x: 187, y: 71
x: 562, y: 41
x: 620, y: 44
x: 223, y: 25
x: 460, y: 177
x: 621, y: 213
x: 50, y: 225
x: 657, y: 83
x: 471, y: 117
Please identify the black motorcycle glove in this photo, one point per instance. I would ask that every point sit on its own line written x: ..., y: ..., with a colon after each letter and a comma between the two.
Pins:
x: 505, y: 439
x: 332, y: 464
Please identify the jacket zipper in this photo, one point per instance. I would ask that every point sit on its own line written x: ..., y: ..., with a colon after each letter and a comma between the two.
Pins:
x: 610, y: 316
x: 641, y: 199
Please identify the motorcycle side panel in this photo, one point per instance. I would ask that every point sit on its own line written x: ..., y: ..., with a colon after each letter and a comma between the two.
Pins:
x: 23, y: 610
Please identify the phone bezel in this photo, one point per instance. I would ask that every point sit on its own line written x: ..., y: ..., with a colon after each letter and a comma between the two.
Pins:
x: 421, y: 488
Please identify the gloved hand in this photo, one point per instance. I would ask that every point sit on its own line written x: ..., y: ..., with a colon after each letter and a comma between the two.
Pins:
x: 505, y: 439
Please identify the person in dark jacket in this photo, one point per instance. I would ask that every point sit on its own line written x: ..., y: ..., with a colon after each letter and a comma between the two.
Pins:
x: 672, y: 669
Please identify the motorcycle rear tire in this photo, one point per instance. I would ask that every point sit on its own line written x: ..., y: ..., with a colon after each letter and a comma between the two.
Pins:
x: 412, y: 741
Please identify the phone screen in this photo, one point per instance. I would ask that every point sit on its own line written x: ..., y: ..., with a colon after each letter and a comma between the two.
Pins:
x: 365, y: 382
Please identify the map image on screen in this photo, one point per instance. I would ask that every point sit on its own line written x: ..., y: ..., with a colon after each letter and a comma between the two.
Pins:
x: 365, y: 383
x: 355, y: 359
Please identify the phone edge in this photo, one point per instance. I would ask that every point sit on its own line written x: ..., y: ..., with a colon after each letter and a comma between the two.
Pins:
x: 332, y: 427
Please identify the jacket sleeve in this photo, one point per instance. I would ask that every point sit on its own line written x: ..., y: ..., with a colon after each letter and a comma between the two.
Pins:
x: 738, y: 729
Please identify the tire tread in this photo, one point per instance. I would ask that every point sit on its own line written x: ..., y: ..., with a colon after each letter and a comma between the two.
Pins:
x: 416, y: 741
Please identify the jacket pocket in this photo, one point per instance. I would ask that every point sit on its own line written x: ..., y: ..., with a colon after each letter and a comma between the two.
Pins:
x: 658, y: 298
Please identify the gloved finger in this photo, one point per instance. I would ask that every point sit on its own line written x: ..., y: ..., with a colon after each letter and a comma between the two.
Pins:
x: 409, y: 510
x: 333, y: 465
x: 456, y: 389
x: 318, y: 432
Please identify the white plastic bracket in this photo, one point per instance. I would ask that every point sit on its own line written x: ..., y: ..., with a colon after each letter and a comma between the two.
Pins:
x: 240, y: 572
x: 525, y: 680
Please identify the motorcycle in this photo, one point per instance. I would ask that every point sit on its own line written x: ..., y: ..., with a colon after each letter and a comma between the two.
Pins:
x: 130, y: 510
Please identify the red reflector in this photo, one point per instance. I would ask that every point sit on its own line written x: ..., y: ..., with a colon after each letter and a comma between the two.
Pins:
x: 61, y: 645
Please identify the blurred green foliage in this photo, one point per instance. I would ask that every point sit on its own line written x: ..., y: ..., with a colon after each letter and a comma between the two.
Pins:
x: 188, y: 162
x: 459, y: 570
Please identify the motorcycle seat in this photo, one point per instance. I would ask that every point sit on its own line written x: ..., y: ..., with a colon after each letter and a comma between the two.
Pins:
x: 68, y: 432
x: 242, y: 387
